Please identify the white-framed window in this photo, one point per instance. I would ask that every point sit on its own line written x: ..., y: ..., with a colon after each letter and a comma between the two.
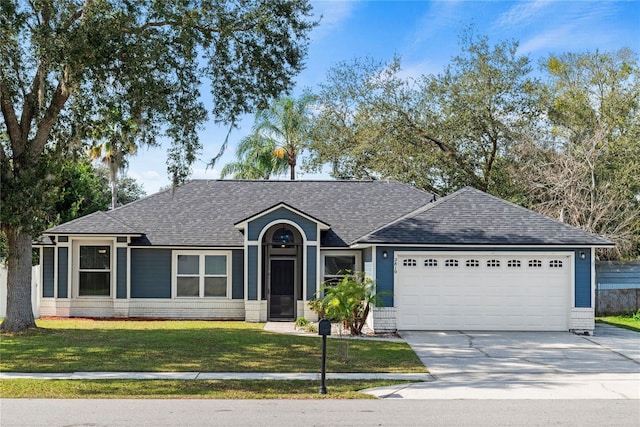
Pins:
x: 430, y: 262
x: 337, y: 264
x: 514, y: 263
x: 555, y: 263
x: 451, y: 262
x: 94, y: 269
x: 409, y: 262
x: 472, y: 263
x: 201, y: 274
x: 535, y: 263
x: 493, y: 263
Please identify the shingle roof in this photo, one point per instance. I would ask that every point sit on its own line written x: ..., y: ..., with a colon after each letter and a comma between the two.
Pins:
x: 203, y: 212
x: 471, y: 217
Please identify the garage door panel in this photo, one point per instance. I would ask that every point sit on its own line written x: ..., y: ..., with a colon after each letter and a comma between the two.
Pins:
x: 483, y: 292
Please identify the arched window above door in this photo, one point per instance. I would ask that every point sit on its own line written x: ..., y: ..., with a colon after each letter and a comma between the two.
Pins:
x: 283, y: 237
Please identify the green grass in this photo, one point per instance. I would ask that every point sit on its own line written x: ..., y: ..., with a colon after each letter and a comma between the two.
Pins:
x: 630, y: 321
x: 190, y: 389
x: 72, y: 345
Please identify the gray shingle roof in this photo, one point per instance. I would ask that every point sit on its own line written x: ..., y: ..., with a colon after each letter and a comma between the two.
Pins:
x: 203, y: 212
x: 471, y: 217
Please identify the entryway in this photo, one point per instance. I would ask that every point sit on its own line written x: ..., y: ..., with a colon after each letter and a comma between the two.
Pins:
x: 282, y: 271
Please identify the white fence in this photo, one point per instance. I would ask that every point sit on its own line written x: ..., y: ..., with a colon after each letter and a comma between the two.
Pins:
x: 35, y: 290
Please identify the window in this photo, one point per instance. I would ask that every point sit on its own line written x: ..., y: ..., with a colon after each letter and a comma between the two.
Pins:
x: 336, y: 266
x: 201, y: 275
x: 493, y: 263
x: 472, y: 263
x: 535, y: 263
x: 555, y: 263
x: 430, y: 262
x: 94, y: 271
x: 514, y: 263
x: 409, y: 262
x: 451, y: 263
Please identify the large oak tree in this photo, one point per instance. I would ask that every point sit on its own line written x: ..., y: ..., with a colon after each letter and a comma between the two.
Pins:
x: 63, y: 62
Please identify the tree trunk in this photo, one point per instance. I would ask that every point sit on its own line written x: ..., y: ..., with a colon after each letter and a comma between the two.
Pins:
x: 19, y: 309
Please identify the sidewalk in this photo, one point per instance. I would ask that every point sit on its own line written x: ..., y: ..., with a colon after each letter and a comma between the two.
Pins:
x: 213, y: 376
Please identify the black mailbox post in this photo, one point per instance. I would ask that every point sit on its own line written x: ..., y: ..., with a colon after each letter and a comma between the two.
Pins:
x: 324, y: 329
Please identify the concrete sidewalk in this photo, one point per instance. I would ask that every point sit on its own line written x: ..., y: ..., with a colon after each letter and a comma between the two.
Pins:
x: 214, y: 376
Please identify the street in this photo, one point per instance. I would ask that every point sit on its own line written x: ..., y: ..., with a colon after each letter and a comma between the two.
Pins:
x: 295, y: 413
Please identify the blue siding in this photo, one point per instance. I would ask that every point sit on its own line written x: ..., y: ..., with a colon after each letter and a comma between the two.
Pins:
x: 583, y: 279
x: 252, y: 275
x: 47, y: 273
x: 257, y: 225
x: 237, y: 274
x: 618, y: 275
x: 63, y: 272
x: 150, y: 273
x: 121, y: 276
x: 312, y: 270
x: 384, y: 275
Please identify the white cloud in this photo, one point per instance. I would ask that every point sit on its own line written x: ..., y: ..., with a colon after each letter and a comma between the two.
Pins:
x: 333, y: 14
x: 523, y: 13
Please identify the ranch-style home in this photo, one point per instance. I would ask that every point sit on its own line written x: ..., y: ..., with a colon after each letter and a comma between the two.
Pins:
x: 260, y: 250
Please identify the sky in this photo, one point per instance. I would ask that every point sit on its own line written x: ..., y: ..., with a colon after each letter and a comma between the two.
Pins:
x: 425, y: 35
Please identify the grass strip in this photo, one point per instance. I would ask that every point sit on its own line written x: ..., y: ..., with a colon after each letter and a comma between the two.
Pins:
x: 187, y: 389
x: 627, y: 322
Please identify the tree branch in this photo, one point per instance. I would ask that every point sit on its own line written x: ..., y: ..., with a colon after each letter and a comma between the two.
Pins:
x: 10, y: 118
x: 60, y: 97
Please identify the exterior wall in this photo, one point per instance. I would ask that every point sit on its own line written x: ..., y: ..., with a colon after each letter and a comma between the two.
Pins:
x: 48, y: 290
x: 63, y: 272
x: 150, y: 273
x: 237, y: 274
x: 312, y: 273
x: 252, y: 273
x: 121, y: 275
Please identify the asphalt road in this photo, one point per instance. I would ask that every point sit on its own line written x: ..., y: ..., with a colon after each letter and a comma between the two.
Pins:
x: 285, y: 413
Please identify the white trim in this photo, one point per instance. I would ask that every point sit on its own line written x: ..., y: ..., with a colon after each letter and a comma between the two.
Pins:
x: 73, y: 290
x: 592, y: 254
x: 201, y: 273
x: 356, y: 253
x: 260, y: 254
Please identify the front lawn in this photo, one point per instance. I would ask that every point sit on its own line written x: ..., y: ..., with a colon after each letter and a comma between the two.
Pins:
x: 85, y: 345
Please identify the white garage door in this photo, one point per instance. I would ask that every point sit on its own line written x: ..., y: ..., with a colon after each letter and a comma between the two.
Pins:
x: 482, y: 291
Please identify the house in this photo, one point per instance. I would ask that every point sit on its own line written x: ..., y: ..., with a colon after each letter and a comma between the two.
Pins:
x: 260, y: 250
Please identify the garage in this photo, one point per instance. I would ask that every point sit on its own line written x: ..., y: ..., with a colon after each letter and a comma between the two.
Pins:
x: 483, y: 290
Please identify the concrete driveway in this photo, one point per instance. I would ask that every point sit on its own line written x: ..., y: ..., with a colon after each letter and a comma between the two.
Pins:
x: 525, y: 365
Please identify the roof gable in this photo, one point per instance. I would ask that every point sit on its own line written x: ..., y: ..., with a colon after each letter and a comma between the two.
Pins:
x: 472, y: 217
x: 242, y: 224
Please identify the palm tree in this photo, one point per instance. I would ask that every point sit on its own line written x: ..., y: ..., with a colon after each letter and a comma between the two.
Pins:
x: 256, y: 160
x: 286, y: 124
x: 115, y: 141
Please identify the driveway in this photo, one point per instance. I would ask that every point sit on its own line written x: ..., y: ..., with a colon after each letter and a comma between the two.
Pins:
x: 525, y: 365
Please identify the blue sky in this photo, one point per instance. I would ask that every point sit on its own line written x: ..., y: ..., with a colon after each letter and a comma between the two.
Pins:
x: 425, y: 35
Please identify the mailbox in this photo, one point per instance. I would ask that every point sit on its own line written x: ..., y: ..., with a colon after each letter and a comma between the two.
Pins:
x: 324, y: 327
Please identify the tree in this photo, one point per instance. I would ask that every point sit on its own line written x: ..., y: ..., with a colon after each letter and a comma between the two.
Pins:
x: 115, y: 141
x: 285, y: 125
x: 256, y: 159
x: 63, y: 63
x: 349, y: 301
x: 438, y: 132
x: 129, y: 190
x: 585, y: 171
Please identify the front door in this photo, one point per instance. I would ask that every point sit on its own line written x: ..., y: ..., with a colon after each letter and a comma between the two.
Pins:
x: 281, y: 293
